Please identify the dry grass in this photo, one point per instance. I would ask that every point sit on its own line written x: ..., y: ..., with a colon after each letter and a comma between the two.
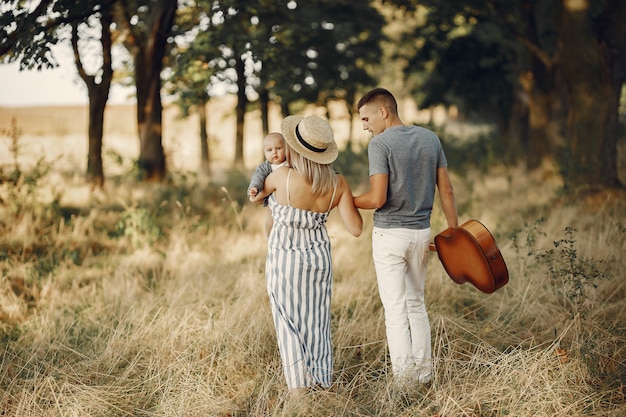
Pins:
x: 59, y: 133
x: 147, y: 300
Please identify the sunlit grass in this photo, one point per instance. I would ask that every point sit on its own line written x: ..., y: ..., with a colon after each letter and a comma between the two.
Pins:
x: 149, y: 300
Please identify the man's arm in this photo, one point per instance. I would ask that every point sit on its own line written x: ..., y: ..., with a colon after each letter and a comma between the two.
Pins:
x: 446, y: 194
x: 376, y: 197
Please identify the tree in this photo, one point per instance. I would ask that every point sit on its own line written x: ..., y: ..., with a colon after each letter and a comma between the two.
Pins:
x: 353, y: 44
x: 465, y: 60
x: 189, y: 82
x: 215, y: 46
x: 593, y: 61
x: 98, y: 87
x: 147, y: 25
x: 570, y: 64
x: 291, y: 51
x: 327, y: 47
x: 192, y: 69
x: 28, y: 35
x: 584, y: 59
x: 231, y: 24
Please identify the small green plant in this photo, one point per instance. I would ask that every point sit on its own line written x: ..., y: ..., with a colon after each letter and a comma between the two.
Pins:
x: 140, y: 227
x: 237, y: 186
x: 574, y: 273
x: 23, y: 183
x: 14, y: 133
x: 529, y: 241
x: 235, y: 208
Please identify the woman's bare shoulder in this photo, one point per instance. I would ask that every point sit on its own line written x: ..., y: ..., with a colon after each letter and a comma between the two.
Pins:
x: 342, y: 183
x: 279, y: 174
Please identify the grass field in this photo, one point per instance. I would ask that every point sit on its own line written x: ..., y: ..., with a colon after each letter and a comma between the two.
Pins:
x: 150, y: 300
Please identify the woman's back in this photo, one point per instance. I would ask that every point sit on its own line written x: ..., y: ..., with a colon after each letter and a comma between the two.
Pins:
x: 292, y: 190
x: 301, y: 196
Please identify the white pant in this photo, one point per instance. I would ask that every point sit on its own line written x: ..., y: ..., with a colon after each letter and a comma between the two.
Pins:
x: 400, y: 257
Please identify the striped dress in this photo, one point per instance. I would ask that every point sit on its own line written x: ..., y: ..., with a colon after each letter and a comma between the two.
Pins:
x: 299, y: 283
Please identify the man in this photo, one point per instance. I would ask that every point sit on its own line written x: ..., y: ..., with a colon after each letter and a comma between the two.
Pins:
x: 406, y: 163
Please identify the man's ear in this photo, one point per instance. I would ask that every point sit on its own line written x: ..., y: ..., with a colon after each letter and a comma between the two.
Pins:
x: 384, y: 112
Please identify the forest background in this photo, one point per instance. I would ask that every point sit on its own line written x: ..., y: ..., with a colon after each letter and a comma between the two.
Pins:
x: 132, y: 266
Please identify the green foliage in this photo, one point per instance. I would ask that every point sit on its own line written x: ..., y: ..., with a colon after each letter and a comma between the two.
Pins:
x: 496, y: 61
x: 481, y: 151
x: 192, y: 63
x: 140, y: 227
x: 334, y: 54
x: 474, y: 74
x: 310, y: 51
x: 353, y: 165
x: 236, y: 185
x: 29, y: 32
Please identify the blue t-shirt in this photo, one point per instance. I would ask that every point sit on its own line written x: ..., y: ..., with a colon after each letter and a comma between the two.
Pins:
x: 410, y: 155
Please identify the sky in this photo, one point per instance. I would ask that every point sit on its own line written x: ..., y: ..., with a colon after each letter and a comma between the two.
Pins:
x: 54, y: 87
x: 35, y: 88
x: 60, y: 86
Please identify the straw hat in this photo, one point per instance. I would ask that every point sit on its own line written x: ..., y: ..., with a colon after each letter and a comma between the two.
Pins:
x: 312, y: 137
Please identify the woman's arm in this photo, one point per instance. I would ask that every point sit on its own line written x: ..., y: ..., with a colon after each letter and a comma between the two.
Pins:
x: 350, y: 215
x: 376, y: 196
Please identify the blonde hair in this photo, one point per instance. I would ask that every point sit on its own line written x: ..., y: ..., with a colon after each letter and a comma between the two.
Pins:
x: 321, y: 177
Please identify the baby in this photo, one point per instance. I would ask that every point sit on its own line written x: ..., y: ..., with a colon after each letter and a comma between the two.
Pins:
x: 274, y: 150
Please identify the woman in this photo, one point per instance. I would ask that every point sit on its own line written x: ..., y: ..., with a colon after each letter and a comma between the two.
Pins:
x: 298, y: 268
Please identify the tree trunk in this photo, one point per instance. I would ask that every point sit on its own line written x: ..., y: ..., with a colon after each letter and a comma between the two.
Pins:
x: 350, y: 100
x: 515, y: 130
x: 242, y: 104
x: 350, y: 144
x: 284, y: 107
x: 544, y: 123
x: 97, y: 106
x: 148, y: 64
x: 542, y: 93
x: 205, y: 159
x: 264, y: 104
x: 613, y: 34
x: 98, y: 92
x: 151, y: 161
x: 592, y: 100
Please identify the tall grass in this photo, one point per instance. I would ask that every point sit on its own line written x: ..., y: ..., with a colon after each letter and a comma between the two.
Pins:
x: 150, y: 300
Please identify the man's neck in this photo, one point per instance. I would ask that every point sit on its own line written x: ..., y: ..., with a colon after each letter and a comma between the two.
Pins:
x: 394, y: 122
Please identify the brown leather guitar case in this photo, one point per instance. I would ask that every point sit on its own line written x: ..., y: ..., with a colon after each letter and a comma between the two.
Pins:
x: 469, y: 254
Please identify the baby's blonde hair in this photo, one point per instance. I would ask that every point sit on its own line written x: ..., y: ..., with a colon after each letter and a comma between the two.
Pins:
x: 321, y: 177
x: 276, y: 135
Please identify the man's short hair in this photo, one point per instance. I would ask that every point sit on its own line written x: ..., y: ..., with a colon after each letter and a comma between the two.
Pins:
x: 380, y: 96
